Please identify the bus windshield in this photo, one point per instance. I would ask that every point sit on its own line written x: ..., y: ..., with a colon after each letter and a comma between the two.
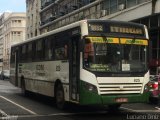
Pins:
x: 115, y: 54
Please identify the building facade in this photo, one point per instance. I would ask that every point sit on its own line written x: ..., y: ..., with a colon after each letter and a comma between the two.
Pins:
x: 14, y: 27
x: 2, y: 19
x: 57, y: 13
x: 33, y: 18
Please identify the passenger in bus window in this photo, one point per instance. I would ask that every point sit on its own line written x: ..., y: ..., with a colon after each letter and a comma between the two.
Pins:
x: 65, y: 51
x: 50, y: 54
x: 60, y: 53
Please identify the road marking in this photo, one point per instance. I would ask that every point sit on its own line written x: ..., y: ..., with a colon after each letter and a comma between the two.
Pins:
x: 64, y: 114
x: 5, y: 116
x: 3, y: 113
x: 78, y: 113
x: 124, y: 108
x: 18, y: 105
x: 138, y: 111
x: 9, y: 118
x: 157, y: 108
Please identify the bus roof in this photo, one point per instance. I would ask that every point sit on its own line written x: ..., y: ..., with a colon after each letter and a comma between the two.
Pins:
x: 76, y: 24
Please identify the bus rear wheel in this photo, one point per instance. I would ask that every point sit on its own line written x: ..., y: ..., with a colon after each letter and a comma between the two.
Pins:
x: 23, y: 87
x: 60, y: 102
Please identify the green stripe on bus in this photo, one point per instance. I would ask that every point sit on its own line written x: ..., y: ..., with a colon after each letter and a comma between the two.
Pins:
x: 91, y: 98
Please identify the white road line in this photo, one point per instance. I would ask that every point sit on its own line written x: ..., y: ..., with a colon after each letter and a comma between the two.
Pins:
x: 157, y: 108
x: 64, y: 114
x: 145, y: 111
x: 18, y: 105
x: 3, y: 113
x: 132, y: 110
x: 78, y: 113
x: 10, y: 118
x: 56, y: 114
x: 124, y: 108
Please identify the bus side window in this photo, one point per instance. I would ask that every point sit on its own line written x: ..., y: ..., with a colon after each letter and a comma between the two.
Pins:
x: 29, y: 52
x: 48, y: 50
x: 33, y: 51
x: 39, y: 50
x: 23, y: 52
x: 61, y: 53
x: 65, y: 51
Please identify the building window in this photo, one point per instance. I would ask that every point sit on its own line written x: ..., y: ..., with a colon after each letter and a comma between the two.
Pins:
x: 113, y: 6
x: 16, y: 36
x: 81, y: 15
x: 71, y: 19
x: 16, y: 23
x: 121, y: 4
x: 131, y: 3
x: 76, y: 17
x: 67, y: 20
x: 141, y: 1
x: 86, y: 14
x: 105, y: 7
x: 92, y: 12
x: 98, y: 9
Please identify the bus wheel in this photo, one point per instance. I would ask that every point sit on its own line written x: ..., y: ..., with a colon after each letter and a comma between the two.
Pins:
x: 23, y: 87
x: 60, y: 102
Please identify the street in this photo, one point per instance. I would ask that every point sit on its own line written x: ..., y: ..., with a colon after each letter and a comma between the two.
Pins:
x: 15, y: 106
x: 101, y: 57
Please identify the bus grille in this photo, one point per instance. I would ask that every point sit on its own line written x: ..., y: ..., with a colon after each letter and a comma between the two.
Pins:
x: 120, y: 88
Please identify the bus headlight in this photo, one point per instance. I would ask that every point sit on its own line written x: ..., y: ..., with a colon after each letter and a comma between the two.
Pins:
x: 90, y: 87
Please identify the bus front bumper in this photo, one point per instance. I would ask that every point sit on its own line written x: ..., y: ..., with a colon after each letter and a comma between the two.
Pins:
x: 89, y: 98
x: 128, y: 98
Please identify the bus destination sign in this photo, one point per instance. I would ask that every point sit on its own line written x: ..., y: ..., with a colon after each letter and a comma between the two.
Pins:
x: 96, y: 27
x: 129, y: 30
x: 116, y: 28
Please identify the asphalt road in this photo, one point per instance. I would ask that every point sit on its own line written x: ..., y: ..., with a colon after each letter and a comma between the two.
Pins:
x: 15, y: 106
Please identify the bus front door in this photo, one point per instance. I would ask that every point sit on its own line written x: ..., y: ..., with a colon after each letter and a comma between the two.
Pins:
x: 74, y: 69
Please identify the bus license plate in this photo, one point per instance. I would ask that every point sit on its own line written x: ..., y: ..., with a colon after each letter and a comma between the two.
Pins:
x: 121, y: 100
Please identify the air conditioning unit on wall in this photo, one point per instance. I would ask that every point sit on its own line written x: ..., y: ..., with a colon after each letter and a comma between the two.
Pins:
x: 121, y: 7
x: 104, y: 13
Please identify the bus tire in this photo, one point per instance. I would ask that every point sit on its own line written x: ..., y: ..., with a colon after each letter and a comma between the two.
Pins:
x: 59, y: 96
x: 23, y: 87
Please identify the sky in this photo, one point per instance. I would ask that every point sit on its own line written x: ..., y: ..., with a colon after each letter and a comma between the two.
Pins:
x: 12, y: 6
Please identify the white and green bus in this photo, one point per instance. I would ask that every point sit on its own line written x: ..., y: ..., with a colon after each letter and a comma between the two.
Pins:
x: 89, y: 62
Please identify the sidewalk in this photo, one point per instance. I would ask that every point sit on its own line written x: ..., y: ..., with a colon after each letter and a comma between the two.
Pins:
x: 7, y: 87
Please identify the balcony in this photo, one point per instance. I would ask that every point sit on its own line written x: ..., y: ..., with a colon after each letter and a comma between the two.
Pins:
x: 49, y: 2
x: 50, y: 19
